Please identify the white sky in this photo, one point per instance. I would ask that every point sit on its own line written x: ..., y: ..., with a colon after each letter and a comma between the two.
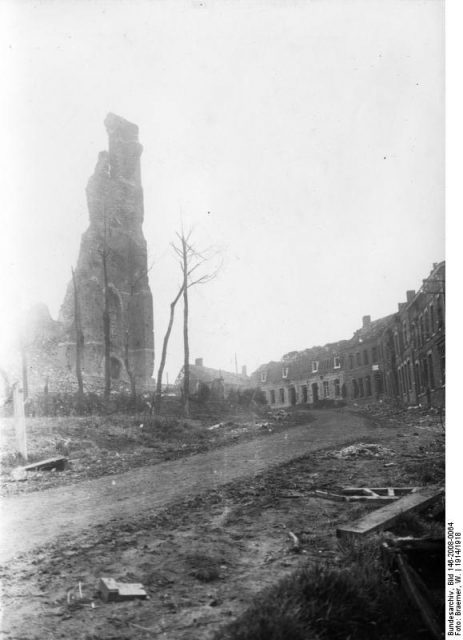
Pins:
x: 304, y: 139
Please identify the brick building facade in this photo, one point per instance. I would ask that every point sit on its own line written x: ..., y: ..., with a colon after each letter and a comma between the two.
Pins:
x: 400, y: 357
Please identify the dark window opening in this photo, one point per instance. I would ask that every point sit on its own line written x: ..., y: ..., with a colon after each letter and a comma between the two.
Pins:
x: 272, y: 397
x: 358, y: 358
x: 361, y: 389
x: 351, y: 361
x: 337, y: 388
x: 326, y: 391
x: 355, y: 389
x: 368, y: 385
x: 374, y: 355
x: 282, y: 396
x: 365, y: 357
x: 304, y: 393
x: 378, y: 384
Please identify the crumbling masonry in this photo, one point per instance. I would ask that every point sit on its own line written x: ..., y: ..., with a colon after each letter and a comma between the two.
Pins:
x: 115, y: 204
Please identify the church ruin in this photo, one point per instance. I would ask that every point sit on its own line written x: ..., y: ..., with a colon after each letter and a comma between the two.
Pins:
x: 114, y: 235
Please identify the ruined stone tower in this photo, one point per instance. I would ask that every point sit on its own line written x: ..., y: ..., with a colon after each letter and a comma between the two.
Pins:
x: 115, y: 205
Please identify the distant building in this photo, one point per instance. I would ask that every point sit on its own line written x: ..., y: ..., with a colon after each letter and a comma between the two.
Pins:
x: 414, y: 344
x: 304, y: 377
x: 218, y: 383
x: 400, y: 357
x: 364, y: 360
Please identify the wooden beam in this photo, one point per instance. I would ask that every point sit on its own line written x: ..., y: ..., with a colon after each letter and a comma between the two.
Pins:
x: 385, y: 517
x: 47, y: 465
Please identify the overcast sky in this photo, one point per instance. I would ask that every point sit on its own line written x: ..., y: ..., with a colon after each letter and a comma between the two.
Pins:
x: 305, y: 140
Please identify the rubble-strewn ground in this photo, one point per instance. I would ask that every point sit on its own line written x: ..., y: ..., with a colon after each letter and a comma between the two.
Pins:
x: 203, y: 560
x: 104, y: 445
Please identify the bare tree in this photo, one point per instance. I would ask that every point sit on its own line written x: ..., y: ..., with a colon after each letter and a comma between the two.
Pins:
x: 79, y: 336
x: 104, y: 253
x: 190, y: 260
x: 158, y: 393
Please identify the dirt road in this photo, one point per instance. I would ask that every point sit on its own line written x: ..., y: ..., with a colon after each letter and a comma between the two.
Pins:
x: 35, y: 519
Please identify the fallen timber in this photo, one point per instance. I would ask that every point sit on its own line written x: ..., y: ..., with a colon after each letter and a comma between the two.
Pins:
x: 386, y: 516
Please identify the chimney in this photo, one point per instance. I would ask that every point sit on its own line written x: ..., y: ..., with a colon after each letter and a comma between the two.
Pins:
x: 410, y: 295
x: 199, y: 362
x: 366, y: 320
x: 244, y: 370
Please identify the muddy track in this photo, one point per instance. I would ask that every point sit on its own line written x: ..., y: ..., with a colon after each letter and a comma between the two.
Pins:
x: 37, y: 518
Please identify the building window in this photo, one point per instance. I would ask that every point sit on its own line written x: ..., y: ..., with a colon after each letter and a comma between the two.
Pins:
x: 431, y: 313
x: 282, y: 396
x: 314, y: 366
x: 355, y: 389
x: 326, y: 390
x: 374, y: 355
x: 263, y: 376
x: 368, y: 385
x: 365, y: 356
x: 272, y: 397
x: 426, y: 325
x: 285, y: 372
x: 337, y: 388
x: 431, y: 372
x: 361, y: 389
x: 358, y: 358
x: 405, y: 332
x: 351, y: 361
x: 378, y: 383
x: 337, y: 362
x: 409, y: 374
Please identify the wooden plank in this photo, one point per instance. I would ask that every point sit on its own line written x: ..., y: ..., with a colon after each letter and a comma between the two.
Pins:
x: 47, y: 465
x: 385, y: 517
x: 329, y: 496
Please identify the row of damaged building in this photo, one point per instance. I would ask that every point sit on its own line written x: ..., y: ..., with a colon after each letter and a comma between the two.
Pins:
x: 400, y: 357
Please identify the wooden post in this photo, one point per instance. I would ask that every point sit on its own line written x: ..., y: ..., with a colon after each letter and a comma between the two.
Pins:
x: 20, y: 420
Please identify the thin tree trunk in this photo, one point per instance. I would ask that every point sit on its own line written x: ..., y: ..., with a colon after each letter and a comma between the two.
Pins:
x: 79, y: 337
x: 106, y: 332
x: 158, y: 393
x: 186, y: 346
x: 132, y: 378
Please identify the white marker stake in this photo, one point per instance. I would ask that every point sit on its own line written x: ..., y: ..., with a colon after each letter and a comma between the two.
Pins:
x: 20, y: 421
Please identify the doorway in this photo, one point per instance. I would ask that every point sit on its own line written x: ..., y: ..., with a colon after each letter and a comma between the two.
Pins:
x: 315, y: 392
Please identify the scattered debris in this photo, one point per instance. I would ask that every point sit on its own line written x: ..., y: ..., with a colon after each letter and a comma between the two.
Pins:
x: 296, y: 547
x: 385, y: 517
x: 376, y: 495
x: 363, y: 450
x: 48, y: 465
x: 112, y: 591
x: 215, y: 426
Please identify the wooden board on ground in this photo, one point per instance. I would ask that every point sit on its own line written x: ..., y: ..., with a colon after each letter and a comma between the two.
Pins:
x: 112, y: 591
x: 386, y: 516
x: 47, y: 465
x: 378, y: 491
